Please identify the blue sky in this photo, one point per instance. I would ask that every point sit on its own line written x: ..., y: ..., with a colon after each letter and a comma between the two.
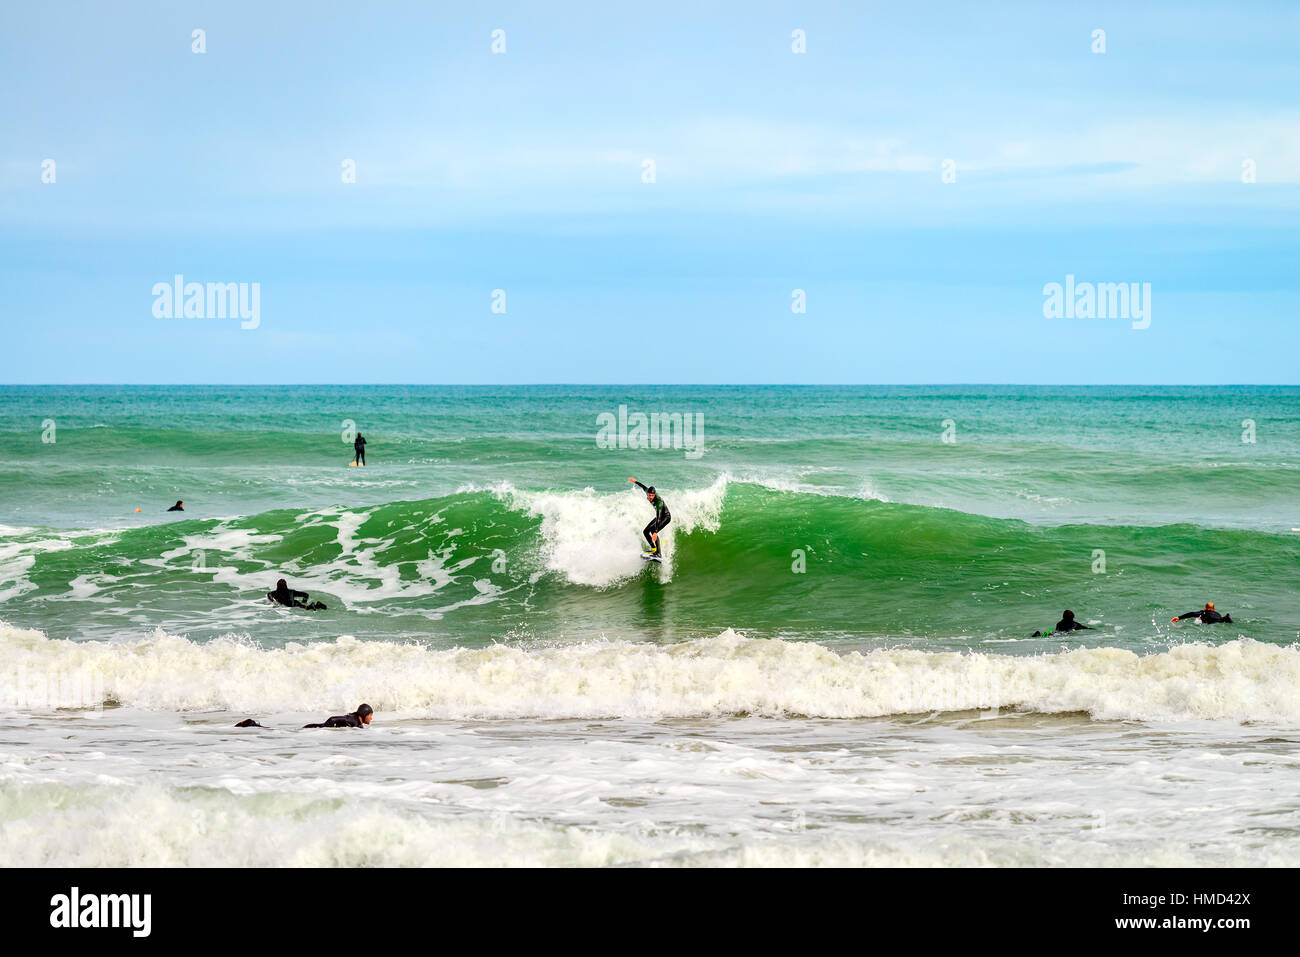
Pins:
x: 774, y: 171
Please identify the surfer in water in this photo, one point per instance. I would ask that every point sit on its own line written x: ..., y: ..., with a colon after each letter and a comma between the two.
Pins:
x: 1067, y: 623
x: 1206, y: 616
x: 289, y: 598
x: 661, y: 519
x: 359, y: 446
x: 178, y: 507
x: 357, y: 719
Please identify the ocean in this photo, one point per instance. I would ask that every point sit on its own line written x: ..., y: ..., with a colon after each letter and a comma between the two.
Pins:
x: 832, y: 665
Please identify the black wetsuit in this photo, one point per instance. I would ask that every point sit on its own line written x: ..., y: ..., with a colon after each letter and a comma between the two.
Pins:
x: 1208, y: 616
x: 1065, y: 624
x: 662, y: 518
x: 359, y: 445
x: 290, y: 598
x: 176, y: 508
x: 352, y: 720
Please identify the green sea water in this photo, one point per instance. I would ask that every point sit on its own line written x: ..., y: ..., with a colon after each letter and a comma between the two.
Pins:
x: 933, y: 517
x: 833, y: 666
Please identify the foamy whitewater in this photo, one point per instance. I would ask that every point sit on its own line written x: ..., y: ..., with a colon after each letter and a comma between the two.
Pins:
x: 1242, y: 681
x: 720, y: 751
x: 831, y: 667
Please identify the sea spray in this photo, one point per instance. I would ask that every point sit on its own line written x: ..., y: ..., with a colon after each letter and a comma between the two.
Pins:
x: 1241, y: 680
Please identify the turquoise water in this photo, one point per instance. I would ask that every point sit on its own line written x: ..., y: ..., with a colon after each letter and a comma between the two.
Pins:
x: 832, y: 666
x: 493, y: 512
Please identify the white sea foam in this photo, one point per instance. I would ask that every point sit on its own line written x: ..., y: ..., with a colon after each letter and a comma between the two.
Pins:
x: 787, y: 480
x: 1241, y: 680
x: 356, y: 577
x: 102, y: 825
x: 594, y: 539
x: 17, y: 558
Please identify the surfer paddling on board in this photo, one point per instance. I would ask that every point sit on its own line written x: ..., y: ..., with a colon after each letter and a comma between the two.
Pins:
x: 1067, y: 623
x: 357, y: 719
x: 662, y: 518
x: 1206, y: 616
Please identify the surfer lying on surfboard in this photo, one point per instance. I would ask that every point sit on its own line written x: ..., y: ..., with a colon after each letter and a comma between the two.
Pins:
x: 1206, y: 616
x: 1067, y: 623
x: 357, y: 719
x: 662, y: 517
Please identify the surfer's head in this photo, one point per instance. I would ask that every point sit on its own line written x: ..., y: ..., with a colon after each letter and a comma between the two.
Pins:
x: 365, y: 712
x: 179, y: 503
x: 1067, y: 615
x: 281, y: 585
x: 1209, y: 606
x: 650, y: 493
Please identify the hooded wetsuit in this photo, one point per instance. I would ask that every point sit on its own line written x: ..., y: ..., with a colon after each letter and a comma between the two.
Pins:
x: 662, y: 517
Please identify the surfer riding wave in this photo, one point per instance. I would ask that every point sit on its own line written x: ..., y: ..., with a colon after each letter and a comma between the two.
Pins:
x: 661, y: 519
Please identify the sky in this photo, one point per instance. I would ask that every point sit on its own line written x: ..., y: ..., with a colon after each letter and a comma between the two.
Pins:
x: 921, y: 172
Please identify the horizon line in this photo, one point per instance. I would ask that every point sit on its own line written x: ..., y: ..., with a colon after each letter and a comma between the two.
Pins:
x: 656, y: 385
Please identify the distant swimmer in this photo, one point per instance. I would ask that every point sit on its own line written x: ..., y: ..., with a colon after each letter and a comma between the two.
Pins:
x: 357, y: 719
x: 359, y: 446
x: 284, y: 595
x: 661, y: 519
x: 1067, y: 623
x: 1206, y: 616
x: 249, y: 723
x: 178, y: 507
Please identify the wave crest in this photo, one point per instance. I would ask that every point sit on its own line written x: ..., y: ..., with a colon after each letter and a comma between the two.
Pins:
x: 1241, y: 680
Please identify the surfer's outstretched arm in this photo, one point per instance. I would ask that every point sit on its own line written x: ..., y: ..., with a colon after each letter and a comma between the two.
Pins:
x: 662, y: 516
